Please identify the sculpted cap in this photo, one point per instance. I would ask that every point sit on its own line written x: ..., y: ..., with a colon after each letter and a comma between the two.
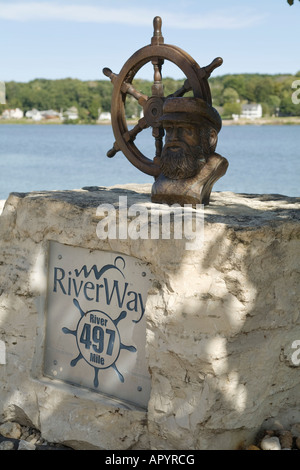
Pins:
x: 191, y: 110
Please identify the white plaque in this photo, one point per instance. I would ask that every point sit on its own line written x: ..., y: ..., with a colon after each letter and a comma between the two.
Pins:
x: 95, y: 322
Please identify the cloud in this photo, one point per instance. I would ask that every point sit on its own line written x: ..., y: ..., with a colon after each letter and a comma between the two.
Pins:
x: 52, y: 11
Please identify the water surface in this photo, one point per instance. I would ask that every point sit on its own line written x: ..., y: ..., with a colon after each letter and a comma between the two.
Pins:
x: 262, y: 159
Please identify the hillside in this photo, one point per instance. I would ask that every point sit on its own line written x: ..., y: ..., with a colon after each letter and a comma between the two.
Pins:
x: 274, y: 92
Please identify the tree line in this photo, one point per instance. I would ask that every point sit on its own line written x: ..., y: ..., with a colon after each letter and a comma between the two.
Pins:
x: 273, y: 92
x: 229, y: 92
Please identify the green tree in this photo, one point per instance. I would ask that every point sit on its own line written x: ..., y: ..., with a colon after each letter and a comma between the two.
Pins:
x: 217, y: 88
x: 230, y: 95
x: 237, y: 82
x: 274, y: 91
x: 287, y: 107
x: 94, y: 107
x: 274, y: 104
x: 231, y: 108
x: 132, y: 108
x: 264, y: 89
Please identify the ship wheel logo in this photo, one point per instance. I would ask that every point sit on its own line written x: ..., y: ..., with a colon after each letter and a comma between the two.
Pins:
x: 98, y: 340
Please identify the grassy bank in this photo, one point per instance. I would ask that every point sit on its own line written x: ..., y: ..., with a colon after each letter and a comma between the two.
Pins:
x: 282, y: 121
x: 29, y: 121
x: 289, y: 120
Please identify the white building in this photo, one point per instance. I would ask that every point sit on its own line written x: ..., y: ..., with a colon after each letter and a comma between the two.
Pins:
x: 12, y: 114
x: 34, y: 114
x: 71, y: 113
x: 104, y: 116
x: 251, y: 111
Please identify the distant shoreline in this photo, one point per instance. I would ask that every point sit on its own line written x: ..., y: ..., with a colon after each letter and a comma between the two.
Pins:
x: 273, y: 121
x: 282, y: 121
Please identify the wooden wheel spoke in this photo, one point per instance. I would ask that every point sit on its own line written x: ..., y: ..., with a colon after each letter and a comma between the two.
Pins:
x: 157, y: 87
x: 126, y: 87
x: 112, y: 152
x: 129, y: 88
x: 130, y: 136
x: 181, y: 91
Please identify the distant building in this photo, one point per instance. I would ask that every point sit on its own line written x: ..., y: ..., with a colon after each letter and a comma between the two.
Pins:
x: 50, y: 114
x: 12, y: 114
x: 251, y: 111
x: 104, y: 116
x: 71, y: 113
x: 34, y: 114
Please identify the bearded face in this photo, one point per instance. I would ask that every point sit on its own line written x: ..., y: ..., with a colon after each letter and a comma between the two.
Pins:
x: 181, y: 159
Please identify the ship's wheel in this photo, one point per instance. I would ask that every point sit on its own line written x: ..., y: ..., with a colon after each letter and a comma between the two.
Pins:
x: 156, y: 53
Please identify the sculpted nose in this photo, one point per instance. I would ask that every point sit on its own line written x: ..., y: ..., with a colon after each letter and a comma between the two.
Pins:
x: 174, y: 134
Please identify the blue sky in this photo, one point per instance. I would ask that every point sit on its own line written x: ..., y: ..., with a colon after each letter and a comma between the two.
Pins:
x: 77, y: 38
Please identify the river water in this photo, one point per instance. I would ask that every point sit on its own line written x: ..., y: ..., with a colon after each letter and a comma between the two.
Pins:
x: 262, y: 159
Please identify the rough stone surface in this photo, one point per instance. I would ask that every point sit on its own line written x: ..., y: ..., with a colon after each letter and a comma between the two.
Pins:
x: 221, y: 322
x: 296, y: 429
x: 28, y: 438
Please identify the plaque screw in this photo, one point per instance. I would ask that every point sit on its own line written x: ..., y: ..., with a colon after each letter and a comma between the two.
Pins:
x: 59, y: 256
x: 144, y: 274
x: 139, y: 389
x: 55, y: 362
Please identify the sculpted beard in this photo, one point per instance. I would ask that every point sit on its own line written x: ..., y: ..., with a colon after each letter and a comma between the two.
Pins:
x: 180, y: 161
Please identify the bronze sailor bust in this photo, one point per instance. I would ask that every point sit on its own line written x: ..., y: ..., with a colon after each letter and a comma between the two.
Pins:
x: 188, y: 162
x: 185, y: 165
